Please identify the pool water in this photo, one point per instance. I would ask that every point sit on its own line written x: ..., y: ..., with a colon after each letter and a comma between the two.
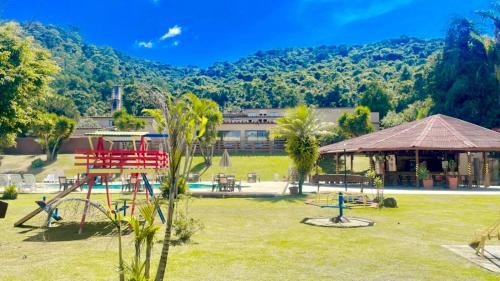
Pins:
x: 115, y: 185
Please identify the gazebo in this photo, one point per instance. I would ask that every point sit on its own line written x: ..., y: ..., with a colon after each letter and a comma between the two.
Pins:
x: 398, y: 151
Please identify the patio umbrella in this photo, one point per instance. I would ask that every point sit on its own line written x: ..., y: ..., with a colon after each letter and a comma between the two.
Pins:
x: 225, y: 161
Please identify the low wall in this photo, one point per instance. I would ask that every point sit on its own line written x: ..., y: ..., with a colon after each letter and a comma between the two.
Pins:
x: 29, y: 146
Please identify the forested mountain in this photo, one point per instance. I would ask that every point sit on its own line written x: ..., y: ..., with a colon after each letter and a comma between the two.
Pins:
x: 324, y: 76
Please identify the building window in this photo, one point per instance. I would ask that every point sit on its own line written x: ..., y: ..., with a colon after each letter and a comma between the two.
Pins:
x: 256, y: 135
x: 252, y: 114
x: 274, y: 114
x: 110, y: 122
x: 229, y: 135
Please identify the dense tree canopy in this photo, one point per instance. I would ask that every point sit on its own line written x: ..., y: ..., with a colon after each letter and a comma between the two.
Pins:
x: 325, y: 76
x: 376, y: 99
x: 25, y: 71
x: 463, y: 82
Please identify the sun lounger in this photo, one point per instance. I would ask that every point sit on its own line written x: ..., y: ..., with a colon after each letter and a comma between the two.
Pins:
x: 4, y: 180
x: 17, y: 181
x: 252, y: 177
x: 29, y: 181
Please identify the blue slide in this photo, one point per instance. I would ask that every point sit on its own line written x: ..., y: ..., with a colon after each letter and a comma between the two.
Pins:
x: 150, y: 190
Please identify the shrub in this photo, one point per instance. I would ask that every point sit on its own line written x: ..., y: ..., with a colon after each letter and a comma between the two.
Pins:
x: 10, y: 192
x: 165, y: 188
x: 37, y: 163
x: 390, y: 202
x: 185, y: 228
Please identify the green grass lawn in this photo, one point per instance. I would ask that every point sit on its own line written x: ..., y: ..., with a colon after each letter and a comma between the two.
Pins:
x: 264, y: 164
x: 263, y: 239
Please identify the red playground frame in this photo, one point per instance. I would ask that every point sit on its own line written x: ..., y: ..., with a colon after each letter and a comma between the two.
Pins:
x: 135, y: 161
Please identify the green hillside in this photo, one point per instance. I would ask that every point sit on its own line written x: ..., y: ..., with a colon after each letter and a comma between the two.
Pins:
x: 323, y: 76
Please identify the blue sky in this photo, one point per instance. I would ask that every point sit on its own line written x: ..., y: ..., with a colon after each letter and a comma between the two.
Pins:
x: 202, y: 32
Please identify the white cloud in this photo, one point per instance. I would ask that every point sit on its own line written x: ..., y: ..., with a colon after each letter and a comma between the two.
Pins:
x: 172, y: 32
x: 175, y: 43
x: 147, y: 45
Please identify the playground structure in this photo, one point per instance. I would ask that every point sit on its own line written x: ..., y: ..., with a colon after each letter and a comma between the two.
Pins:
x: 489, y: 233
x: 104, y: 161
x: 345, y: 200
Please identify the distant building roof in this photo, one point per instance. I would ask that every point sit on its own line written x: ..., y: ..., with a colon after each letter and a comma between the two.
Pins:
x: 436, y: 132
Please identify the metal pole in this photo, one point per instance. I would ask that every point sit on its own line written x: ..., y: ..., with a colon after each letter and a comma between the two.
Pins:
x: 345, y: 170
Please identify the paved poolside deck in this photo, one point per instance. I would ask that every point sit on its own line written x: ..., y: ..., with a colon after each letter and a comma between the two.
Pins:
x: 273, y: 189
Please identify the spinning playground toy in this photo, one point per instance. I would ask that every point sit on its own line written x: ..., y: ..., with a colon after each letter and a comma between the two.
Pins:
x: 104, y: 160
x: 345, y: 200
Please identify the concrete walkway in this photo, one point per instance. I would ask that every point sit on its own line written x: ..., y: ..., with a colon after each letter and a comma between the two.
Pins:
x: 271, y: 188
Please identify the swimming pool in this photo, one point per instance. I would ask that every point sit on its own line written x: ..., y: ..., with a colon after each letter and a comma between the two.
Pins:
x: 117, y: 185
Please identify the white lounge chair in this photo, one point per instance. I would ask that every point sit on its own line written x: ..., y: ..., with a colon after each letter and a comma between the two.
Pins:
x: 4, y: 180
x: 17, y: 181
x: 30, y: 181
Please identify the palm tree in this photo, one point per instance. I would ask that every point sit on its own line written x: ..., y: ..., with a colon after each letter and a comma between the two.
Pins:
x: 143, y: 233
x: 300, y: 127
x: 184, y: 126
x: 210, y: 110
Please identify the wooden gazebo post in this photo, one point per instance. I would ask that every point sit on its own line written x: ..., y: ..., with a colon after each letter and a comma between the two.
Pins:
x: 469, y: 169
x: 417, y: 163
x: 486, y: 172
x: 352, y: 163
x: 337, y: 169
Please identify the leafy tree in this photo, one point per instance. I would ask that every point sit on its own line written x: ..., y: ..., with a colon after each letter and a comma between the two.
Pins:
x: 184, y: 127
x: 210, y: 110
x: 357, y: 123
x: 25, y: 71
x: 300, y: 128
x: 51, y: 130
x: 463, y: 82
x: 126, y: 122
x: 60, y: 105
x: 376, y: 99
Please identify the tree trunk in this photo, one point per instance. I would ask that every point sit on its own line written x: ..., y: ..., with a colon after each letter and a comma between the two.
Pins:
x: 301, y: 182
x: 120, y: 254
x: 147, y: 263
x: 162, y: 265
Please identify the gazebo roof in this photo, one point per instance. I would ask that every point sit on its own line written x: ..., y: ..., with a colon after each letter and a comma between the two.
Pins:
x: 436, y: 132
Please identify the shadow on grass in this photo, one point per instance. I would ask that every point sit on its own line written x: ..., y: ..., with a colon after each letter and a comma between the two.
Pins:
x: 68, y: 231
x: 200, y: 168
x: 283, y: 198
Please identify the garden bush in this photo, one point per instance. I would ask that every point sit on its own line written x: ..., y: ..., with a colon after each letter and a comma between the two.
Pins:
x: 10, y: 192
x: 390, y: 202
x: 165, y: 189
x: 37, y: 163
x: 185, y: 228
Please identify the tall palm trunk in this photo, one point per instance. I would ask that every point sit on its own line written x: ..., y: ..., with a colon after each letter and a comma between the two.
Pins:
x: 162, y: 265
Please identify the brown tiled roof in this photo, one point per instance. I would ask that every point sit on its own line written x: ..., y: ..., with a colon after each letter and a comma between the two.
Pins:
x: 436, y: 132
